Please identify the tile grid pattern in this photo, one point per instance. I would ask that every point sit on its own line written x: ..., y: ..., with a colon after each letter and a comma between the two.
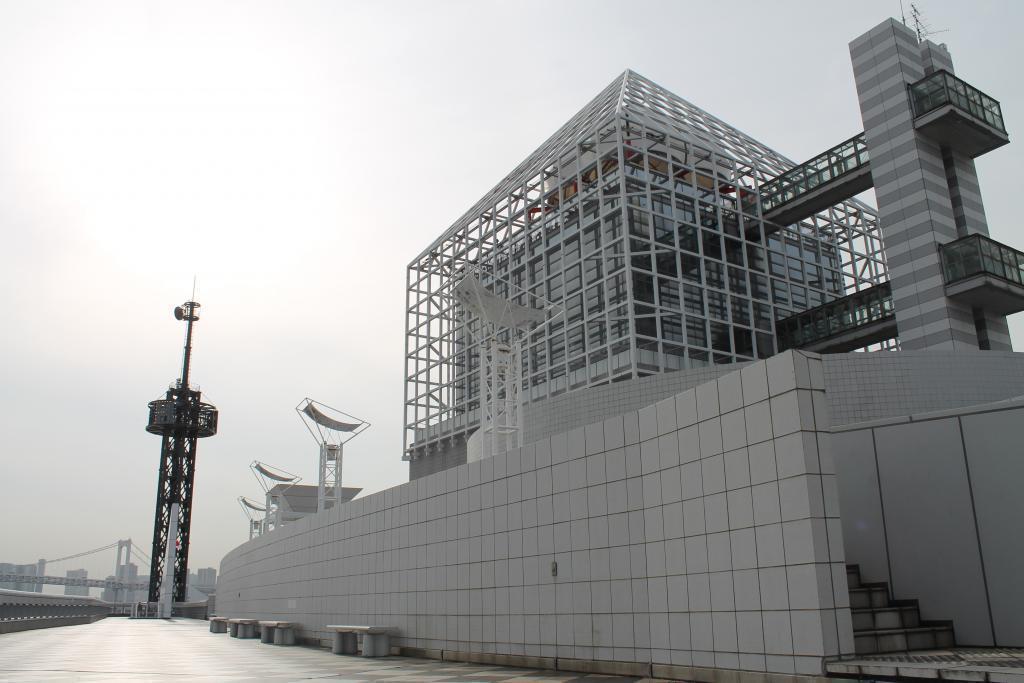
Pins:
x: 914, y: 192
x: 703, y: 531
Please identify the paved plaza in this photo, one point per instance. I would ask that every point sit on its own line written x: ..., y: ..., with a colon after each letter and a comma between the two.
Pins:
x: 117, y: 649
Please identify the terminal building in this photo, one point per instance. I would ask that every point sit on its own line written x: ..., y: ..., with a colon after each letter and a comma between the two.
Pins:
x: 760, y: 425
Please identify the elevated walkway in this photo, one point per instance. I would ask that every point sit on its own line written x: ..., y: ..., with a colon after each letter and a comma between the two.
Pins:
x: 846, y: 324
x: 826, y: 180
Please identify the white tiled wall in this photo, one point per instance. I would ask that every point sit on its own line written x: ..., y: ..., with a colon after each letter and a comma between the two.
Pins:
x: 702, y: 530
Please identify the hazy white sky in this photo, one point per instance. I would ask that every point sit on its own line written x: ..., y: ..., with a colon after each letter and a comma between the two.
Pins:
x: 295, y: 157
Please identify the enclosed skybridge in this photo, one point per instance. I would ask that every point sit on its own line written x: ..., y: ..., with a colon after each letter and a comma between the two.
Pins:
x: 846, y: 324
x: 826, y: 180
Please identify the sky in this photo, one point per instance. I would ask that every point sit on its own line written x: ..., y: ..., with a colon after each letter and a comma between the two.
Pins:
x: 294, y: 158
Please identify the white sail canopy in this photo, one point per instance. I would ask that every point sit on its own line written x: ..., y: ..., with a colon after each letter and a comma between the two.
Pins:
x: 324, y: 421
x: 251, y: 505
x: 492, y: 308
x: 272, y: 475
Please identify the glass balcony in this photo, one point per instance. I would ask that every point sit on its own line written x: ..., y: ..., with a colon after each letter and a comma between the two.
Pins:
x: 978, y: 254
x: 957, y: 114
x: 852, y: 322
x: 942, y: 88
x: 821, y: 182
x: 984, y: 273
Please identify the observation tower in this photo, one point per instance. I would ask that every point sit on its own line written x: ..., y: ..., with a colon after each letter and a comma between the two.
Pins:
x: 180, y: 418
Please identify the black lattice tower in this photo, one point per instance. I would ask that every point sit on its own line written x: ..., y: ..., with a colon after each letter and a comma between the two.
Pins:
x: 180, y: 418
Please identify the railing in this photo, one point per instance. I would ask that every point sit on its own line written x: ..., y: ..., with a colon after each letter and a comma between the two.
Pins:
x: 842, y: 159
x: 981, y: 255
x: 68, y: 581
x: 836, y: 317
x: 20, y: 610
x: 942, y: 88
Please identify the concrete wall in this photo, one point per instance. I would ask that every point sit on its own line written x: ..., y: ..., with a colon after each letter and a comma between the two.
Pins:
x: 932, y: 504
x: 701, y: 532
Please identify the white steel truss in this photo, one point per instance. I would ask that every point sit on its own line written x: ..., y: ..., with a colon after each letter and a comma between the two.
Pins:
x: 331, y: 428
x: 641, y: 218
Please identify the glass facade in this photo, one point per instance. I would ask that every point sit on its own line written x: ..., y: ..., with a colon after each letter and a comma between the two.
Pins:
x: 642, y: 220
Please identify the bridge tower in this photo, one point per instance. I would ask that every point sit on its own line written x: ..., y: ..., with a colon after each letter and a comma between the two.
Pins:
x: 180, y: 419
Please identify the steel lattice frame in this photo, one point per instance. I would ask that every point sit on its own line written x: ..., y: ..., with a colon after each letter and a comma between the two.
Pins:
x: 176, y: 482
x: 641, y: 217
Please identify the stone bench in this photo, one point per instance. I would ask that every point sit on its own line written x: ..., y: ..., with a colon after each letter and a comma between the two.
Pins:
x: 218, y: 624
x: 242, y: 628
x: 376, y: 640
x: 278, y: 632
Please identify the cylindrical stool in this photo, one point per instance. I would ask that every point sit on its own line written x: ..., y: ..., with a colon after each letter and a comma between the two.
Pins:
x: 267, y: 634
x: 344, y: 643
x: 233, y: 629
x: 284, y: 636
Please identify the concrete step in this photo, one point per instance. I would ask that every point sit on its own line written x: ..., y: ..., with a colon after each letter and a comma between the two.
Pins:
x: 889, y: 617
x: 853, y: 576
x: 930, y: 637
x: 868, y: 596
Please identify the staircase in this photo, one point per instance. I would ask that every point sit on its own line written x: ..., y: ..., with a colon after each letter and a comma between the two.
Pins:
x: 881, y: 624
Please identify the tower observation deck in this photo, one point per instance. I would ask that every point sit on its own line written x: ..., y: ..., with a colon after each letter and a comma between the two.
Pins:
x: 180, y: 418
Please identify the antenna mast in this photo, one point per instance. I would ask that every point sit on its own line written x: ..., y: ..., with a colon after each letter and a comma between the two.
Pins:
x: 921, y: 27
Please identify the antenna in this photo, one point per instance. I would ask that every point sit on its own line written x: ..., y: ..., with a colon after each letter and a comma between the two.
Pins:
x: 921, y: 27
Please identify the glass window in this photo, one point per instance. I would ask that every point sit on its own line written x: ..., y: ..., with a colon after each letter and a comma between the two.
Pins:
x: 668, y: 293
x: 688, y: 240
x: 693, y: 299
x: 595, y: 300
x: 691, y: 268
x: 696, y: 332
x: 672, y: 328
x: 685, y: 210
x: 780, y: 292
x: 666, y: 262
x: 712, y: 245
x: 674, y: 356
x: 720, y: 337
x: 737, y: 280
x: 743, y: 342
x: 574, y: 308
x: 663, y: 232
x: 639, y: 223
x: 575, y: 340
x: 716, y: 305
x: 643, y: 287
x: 573, y: 279
x: 715, y: 274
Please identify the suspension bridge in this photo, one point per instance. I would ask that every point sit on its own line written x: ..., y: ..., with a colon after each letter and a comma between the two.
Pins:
x: 123, y: 579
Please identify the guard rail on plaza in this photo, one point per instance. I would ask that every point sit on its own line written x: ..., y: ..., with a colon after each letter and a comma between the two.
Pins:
x: 21, y: 610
